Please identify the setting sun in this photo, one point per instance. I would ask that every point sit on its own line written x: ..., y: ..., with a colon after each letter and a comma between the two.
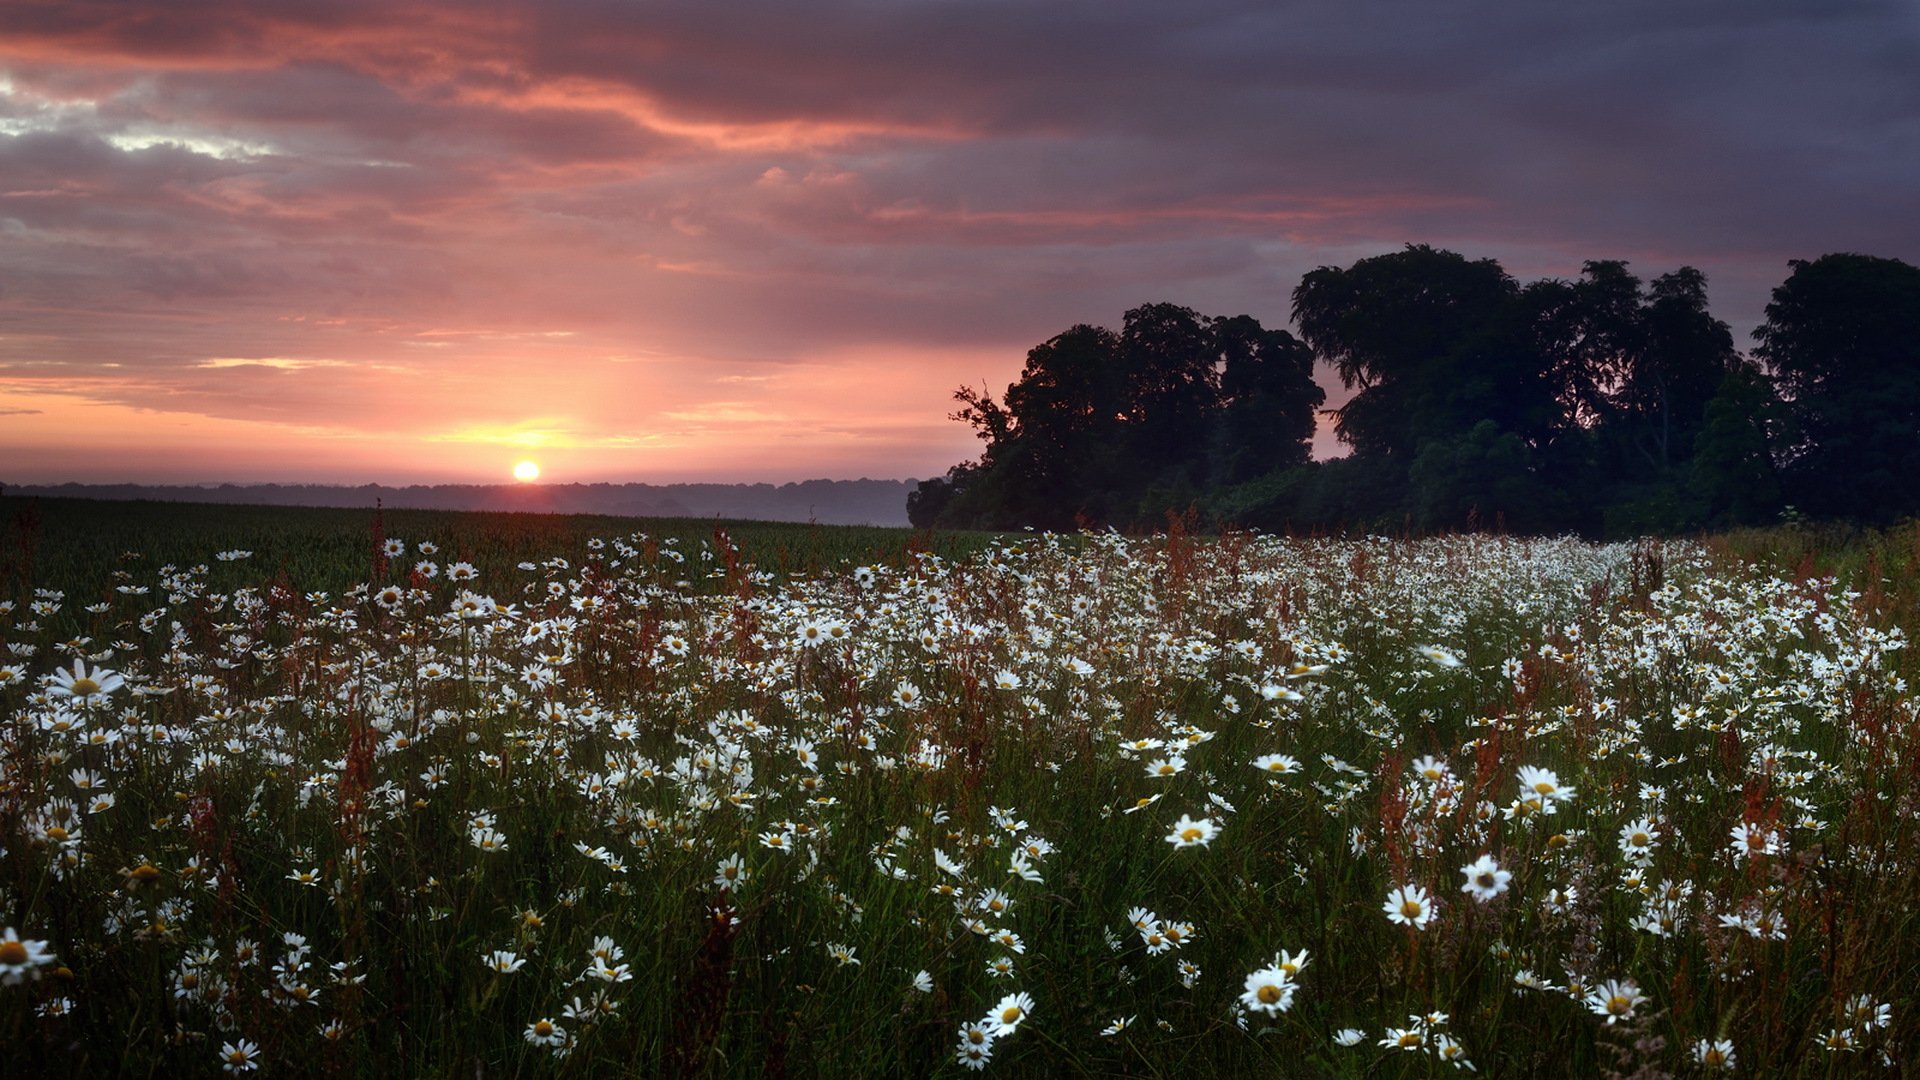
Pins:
x: 526, y: 472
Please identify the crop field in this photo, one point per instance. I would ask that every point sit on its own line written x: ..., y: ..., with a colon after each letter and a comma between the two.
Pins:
x: 425, y: 794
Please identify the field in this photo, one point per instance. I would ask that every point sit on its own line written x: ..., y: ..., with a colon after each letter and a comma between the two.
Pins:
x: 426, y: 794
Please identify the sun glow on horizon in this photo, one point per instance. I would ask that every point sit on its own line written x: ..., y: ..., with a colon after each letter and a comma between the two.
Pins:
x: 526, y: 472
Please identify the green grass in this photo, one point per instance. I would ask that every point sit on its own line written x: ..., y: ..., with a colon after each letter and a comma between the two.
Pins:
x: 666, y: 715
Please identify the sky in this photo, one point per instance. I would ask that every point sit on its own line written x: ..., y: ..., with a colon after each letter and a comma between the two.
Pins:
x: 400, y: 241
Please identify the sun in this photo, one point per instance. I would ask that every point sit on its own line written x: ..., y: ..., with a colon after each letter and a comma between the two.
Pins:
x: 526, y: 472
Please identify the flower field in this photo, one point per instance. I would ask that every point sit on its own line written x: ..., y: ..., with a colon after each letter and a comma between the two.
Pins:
x: 640, y: 804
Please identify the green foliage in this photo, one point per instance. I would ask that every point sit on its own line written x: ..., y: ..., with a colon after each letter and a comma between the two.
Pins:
x: 1106, y: 427
x: 1602, y: 406
x: 1842, y: 338
x: 282, y: 764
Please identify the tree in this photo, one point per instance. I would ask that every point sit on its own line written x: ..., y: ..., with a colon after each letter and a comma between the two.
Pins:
x: 1269, y: 402
x: 1113, y: 427
x: 1433, y: 343
x: 1733, y: 457
x: 1842, y: 340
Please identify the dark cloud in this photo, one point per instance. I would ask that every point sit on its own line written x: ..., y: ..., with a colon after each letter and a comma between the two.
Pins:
x: 749, y: 184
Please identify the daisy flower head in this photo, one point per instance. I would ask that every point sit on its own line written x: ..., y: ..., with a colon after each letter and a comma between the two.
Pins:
x: 975, y: 1048
x: 1751, y: 839
x: 1713, y: 1054
x: 1615, y: 999
x: 84, y: 686
x: 1269, y: 990
x: 240, y: 1056
x: 1277, y: 764
x: 1012, y: 1010
x: 1440, y: 656
x: 1637, y: 840
x: 19, y: 958
x: 503, y: 961
x: 544, y: 1032
x: 1409, y: 905
x: 1485, y: 879
x: 1192, y: 832
x: 1543, y: 784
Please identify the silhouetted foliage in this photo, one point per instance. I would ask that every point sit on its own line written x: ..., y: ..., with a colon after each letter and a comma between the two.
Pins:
x: 1842, y: 339
x: 1602, y: 405
x: 1120, y: 427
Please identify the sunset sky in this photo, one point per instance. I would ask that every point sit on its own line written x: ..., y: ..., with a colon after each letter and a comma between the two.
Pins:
x: 403, y: 242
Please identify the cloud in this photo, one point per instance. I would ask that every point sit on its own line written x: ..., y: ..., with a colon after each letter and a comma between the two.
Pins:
x: 375, y: 210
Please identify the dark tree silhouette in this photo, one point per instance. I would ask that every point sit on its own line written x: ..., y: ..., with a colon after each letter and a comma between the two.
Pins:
x: 1842, y: 339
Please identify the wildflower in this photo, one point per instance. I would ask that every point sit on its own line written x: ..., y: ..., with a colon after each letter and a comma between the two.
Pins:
x: 1006, y: 680
x: 1615, y: 999
x: 1431, y: 769
x: 1714, y: 1054
x: 1485, y: 879
x: 1409, y: 905
x: 1118, y: 1025
x: 1637, y: 840
x: 1863, y: 1012
x: 1000, y: 967
x: 487, y: 839
x: 1291, y: 964
x: 1010, y: 1012
x: 544, y: 1032
x: 1189, y: 832
x: 241, y: 1056
x: 503, y: 961
x: 1409, y: 1039
x: 1449, y: 1050
x: 84, y: 686
x: 1751, y: 839
x: 922, y: 981
x: 308, y: 878
x: 1277, y: 764
x: 1269, y: 990
x: 1544, y: 785
x: 731, y: 872
x: 1172, y: 765
x: 976, y: 1045
x: 19, y: 957
x: 1349, y: 1037
x: 1440, y: 656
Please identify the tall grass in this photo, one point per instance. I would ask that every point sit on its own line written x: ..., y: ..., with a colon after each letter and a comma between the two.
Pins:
x: 913, y: 761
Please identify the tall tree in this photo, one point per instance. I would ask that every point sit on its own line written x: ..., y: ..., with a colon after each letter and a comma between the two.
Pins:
x: 1842, y: 339
x: 1432, y: 342
x: 1269, y: 401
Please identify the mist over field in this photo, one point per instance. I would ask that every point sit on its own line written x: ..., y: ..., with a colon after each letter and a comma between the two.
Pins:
x: 828, y: 502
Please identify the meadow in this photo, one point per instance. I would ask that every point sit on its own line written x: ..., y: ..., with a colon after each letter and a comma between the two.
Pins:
x: 429, y: 794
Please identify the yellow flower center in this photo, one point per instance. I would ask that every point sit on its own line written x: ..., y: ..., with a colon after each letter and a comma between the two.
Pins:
x: 1619, y: 1005
x: 57, y: 834
x: 145, y: 872
x: 542, y: 1028
x: 13, y: 953
x: 1010, y: 1014
x: 85, y: 687
x: 1190, y: 834
x: 1410, y: 1038
x: 1410, y: 908
x: 1268, y: 994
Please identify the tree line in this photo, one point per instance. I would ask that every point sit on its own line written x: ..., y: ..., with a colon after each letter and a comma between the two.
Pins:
x: 1605, y: 405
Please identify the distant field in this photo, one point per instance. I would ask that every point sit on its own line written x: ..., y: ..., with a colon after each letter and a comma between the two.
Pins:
x: 299, y: 792
x: 65, y: 543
